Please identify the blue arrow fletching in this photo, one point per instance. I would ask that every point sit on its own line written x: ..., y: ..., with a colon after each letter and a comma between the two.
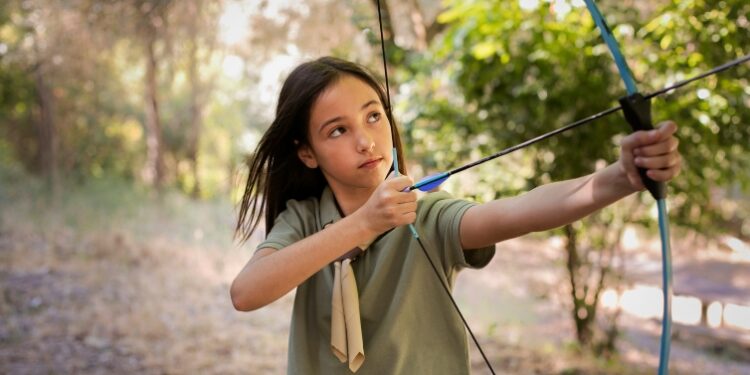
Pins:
x: 431, y: 182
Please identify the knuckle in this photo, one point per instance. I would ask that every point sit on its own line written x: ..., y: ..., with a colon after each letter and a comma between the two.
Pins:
x: 674, y: 159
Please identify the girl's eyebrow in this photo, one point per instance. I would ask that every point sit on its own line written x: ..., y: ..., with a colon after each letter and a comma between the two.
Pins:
x: 337, y: 118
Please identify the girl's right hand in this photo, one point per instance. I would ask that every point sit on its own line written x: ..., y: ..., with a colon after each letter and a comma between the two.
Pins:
x: 389, y: 206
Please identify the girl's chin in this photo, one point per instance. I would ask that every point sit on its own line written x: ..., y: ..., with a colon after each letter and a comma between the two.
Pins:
x: 373, y: 181
x: 377, y: 174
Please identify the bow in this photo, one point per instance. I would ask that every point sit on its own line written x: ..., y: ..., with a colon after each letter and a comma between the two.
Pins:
x: 637, y: 111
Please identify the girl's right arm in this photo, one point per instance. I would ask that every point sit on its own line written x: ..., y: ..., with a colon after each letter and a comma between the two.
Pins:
x: 271, y: 273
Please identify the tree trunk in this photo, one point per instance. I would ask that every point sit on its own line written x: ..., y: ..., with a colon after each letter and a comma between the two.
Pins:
x: 587, y: 280
x: 386, y: 19
x: 196, y: 111
x: 421, y: 29
x: 581, y: 314
x: 47, y: 132
x: 154, y: 171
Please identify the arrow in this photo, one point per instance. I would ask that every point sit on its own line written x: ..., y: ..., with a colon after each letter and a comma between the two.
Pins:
x: 433, y: 181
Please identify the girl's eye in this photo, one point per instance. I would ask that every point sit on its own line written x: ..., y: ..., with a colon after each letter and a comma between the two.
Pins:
x: 337, y: 132
x: 373, y: 117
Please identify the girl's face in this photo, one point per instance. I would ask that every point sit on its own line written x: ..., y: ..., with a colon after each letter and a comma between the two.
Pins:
x: 349, y: 136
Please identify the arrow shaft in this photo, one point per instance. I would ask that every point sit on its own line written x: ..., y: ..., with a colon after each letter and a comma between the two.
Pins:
x: 711, y: 72
x: 588, y: 119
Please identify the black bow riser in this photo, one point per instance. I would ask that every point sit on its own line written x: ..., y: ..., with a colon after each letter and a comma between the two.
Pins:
x: 637, y: 111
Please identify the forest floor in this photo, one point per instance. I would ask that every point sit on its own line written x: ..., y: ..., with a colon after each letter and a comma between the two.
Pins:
x: 142, y: 286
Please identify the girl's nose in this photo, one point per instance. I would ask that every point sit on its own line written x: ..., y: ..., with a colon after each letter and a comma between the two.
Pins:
x: 365, y: 142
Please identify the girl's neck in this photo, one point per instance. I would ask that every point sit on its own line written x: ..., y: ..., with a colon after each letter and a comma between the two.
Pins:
x: 350, y: 200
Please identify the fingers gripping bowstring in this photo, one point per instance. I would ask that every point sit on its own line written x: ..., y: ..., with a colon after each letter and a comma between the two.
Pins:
x: 441, y: 279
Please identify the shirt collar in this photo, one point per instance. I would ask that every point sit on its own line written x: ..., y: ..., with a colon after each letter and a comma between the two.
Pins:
x: 329, y: 211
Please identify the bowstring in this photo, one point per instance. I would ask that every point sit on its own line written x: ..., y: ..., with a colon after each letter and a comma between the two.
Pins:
x: 442, y: 282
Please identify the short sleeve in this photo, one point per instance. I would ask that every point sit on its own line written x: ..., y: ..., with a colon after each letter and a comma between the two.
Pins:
x: 439, y: 218
x: 293, y: 224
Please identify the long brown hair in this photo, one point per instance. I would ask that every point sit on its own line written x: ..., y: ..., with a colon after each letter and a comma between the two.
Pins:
x: 275, y: 172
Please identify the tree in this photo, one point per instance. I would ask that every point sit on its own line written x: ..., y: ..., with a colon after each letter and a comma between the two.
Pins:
x: 52, y: 47
x: 150, y: 17
x: 194, y: 27
x: 37, y: 66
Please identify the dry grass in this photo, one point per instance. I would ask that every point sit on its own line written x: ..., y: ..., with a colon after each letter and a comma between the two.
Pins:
x: 114, y: 280
x: 103, y: 303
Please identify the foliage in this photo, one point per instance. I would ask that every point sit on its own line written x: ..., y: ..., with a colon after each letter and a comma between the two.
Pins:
x: 503, y: 72
x: 682, y: 40
x: 214, y: 95
x: 520, y: 77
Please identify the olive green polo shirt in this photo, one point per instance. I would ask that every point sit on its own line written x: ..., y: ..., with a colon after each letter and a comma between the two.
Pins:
x: 408, y: 323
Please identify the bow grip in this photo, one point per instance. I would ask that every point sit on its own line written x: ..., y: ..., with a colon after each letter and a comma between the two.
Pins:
x: 637, y: 111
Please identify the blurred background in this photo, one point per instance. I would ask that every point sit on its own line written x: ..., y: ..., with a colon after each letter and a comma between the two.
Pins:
x: 125, y: 126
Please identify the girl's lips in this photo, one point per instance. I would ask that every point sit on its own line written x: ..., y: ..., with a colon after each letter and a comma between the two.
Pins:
x: 372, y: 163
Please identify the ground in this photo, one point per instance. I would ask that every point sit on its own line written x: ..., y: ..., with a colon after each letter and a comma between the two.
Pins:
x: 102, y: 297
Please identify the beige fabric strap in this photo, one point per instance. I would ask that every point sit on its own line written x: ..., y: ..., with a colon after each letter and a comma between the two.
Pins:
x: 346, y: 328
x: 338, y: 328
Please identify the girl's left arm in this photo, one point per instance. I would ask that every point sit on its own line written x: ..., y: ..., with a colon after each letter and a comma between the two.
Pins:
x: 553, y: 205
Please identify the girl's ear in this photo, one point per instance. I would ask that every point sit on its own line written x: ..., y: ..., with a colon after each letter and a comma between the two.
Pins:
x: 307, y: 156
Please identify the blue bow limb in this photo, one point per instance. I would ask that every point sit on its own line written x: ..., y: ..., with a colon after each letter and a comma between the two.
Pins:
x: 637, y: 111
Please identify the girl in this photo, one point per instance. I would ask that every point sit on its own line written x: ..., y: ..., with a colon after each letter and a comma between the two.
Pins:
x: 367, y: 300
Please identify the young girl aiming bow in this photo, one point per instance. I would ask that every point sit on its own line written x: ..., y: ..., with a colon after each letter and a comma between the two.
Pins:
x: 367, y: 301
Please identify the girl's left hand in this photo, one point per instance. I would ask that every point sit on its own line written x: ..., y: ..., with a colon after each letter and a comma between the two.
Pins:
x: 655, y: 150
